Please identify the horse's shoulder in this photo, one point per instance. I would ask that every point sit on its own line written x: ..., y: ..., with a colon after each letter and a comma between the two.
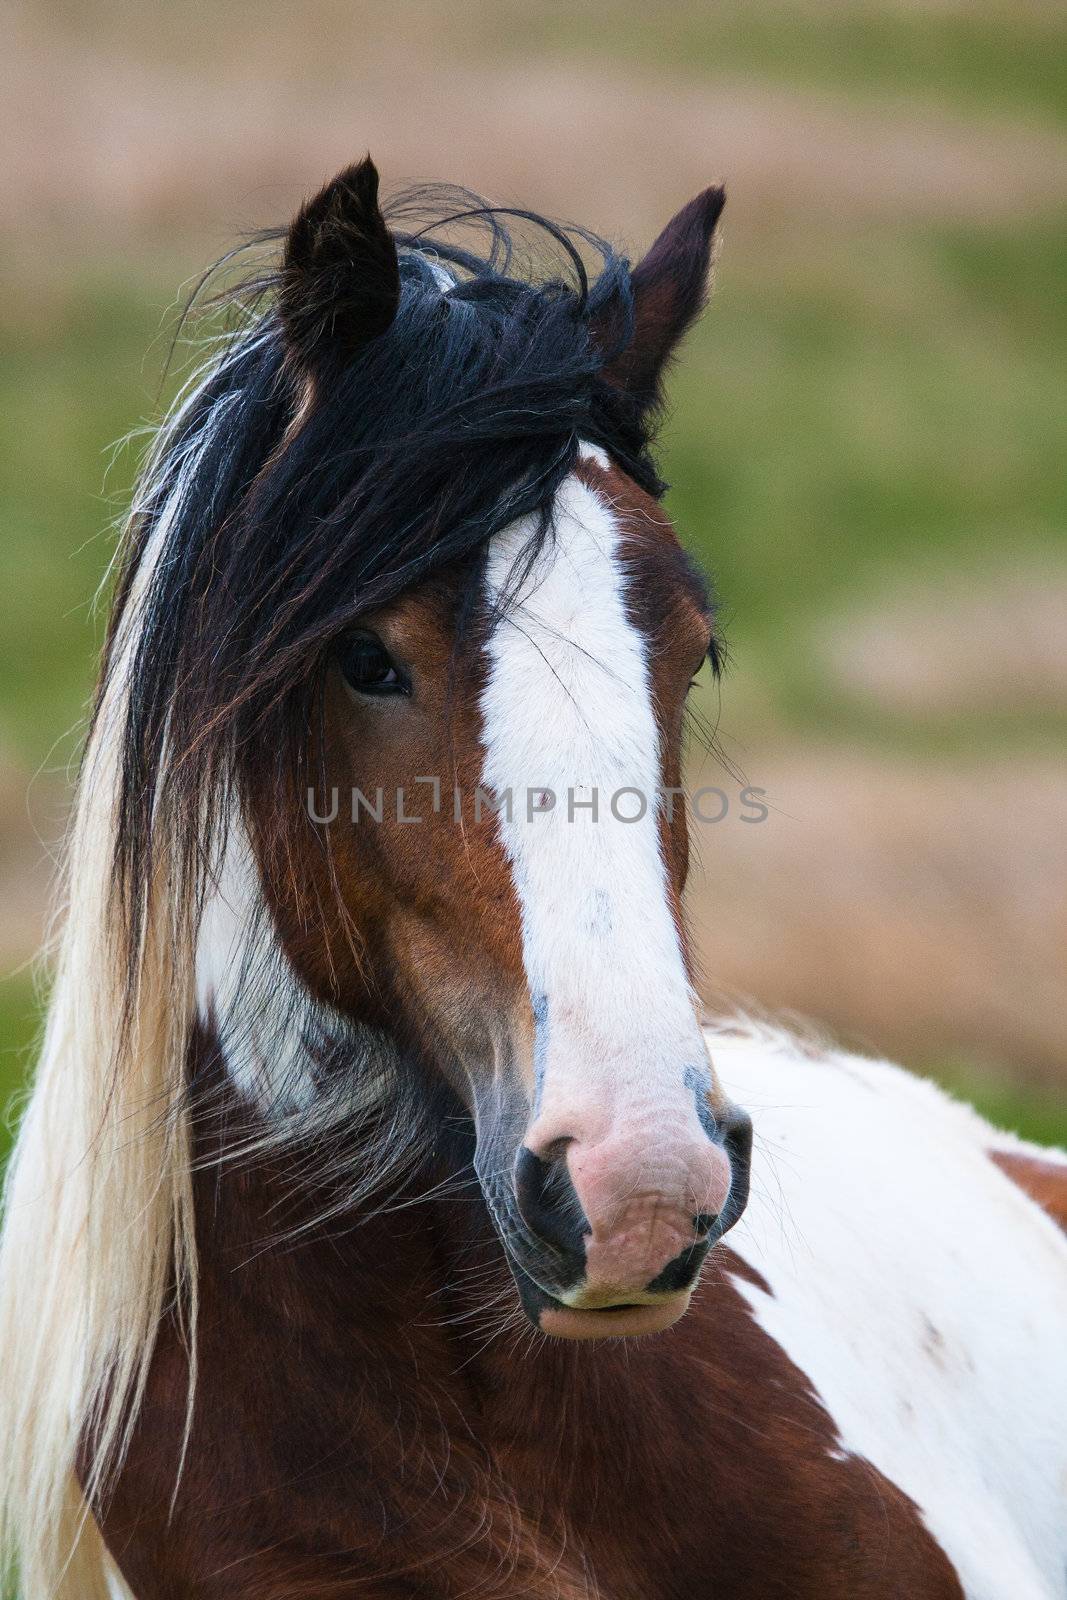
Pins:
x: 760, y: 1056
x: 921, y: 1293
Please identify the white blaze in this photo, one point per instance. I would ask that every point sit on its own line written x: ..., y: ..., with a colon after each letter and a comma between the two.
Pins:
x: 568, y: 709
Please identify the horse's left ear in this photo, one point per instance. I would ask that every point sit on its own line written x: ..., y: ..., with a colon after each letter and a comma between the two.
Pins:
x: 340, y: 281
x: 670, y: 289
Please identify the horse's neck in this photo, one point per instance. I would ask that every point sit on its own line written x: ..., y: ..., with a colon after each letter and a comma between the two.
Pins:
x: 371, y: 1420
x: 339, y: 1399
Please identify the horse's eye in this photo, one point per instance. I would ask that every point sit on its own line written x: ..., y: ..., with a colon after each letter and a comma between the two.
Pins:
x: 367, y: 666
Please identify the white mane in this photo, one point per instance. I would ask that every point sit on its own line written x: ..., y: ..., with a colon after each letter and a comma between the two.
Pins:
x: 98, y: 1221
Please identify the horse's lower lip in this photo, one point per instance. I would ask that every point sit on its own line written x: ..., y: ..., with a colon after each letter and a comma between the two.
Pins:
x: 612, y: 1322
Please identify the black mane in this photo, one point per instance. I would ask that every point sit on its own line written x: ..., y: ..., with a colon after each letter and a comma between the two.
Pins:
x: 268, y: 530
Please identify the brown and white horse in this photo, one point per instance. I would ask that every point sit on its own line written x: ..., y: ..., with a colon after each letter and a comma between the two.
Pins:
x: 376, y: 1111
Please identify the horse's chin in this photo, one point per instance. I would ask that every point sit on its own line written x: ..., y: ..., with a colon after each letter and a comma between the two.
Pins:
x: 618, y: 1321
x: 612, y: 1322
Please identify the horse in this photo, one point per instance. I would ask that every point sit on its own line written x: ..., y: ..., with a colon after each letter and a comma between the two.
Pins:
x: 380, y: 1222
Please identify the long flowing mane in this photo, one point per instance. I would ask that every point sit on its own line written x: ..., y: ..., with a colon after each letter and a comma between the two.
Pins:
x: 261, y: 529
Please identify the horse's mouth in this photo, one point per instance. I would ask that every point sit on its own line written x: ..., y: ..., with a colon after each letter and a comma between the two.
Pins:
x: 621, y: 1320
x: 611, y: 1322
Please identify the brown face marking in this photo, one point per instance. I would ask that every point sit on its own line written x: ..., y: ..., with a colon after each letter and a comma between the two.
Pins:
x: 426, y: 935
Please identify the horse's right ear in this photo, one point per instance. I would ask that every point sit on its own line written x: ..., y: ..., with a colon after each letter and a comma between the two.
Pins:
x: 340, y: 281
x: 670, y: 287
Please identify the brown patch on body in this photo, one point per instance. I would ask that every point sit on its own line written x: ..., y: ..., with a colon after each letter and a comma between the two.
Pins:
x: 740, y: 1268
x: 1043, y: 1181
x: 359, y: 1432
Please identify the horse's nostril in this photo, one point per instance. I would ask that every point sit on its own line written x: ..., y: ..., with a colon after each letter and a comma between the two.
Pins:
x: 548, y: 1204
x: 736, y: 1128
x: 703, y: 1222
x: 681, y: 1273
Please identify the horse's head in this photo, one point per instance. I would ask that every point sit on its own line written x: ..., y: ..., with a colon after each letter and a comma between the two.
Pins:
x: 458, y: 511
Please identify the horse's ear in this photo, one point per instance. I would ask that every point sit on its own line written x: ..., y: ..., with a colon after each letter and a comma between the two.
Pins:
x: 670, y: 288
x: 340, y: 282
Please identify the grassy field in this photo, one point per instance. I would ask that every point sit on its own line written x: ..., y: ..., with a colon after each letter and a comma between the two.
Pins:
x: 876, y: 395
x: 966, y: 57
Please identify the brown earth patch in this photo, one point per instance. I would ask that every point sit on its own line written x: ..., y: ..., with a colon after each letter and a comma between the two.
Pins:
x: 920, y: 911
x: 106, y: 144
x: 31, y: 821
x: 995, y: 640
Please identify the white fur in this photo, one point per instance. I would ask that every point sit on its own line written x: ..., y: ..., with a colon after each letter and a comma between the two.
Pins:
x: 247, y: 990
x: 923, y: 1294
x: 98, y: 1209
x: 594, y: 453
x: 568, y: 707
x: 268, y: 1024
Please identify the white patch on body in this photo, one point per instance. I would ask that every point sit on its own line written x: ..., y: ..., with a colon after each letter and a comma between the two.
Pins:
x: 922, y: 1293
x: 567, y: 711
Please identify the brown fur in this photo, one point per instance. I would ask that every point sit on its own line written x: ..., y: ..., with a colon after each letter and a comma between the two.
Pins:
x: 364, y: 1429
x: 1043, y: 1181
x: 428, y: 929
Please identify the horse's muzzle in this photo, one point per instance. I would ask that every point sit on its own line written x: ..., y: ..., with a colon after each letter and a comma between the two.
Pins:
x: 607, y: 1239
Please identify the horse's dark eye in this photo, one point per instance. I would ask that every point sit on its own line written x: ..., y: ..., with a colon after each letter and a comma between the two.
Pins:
x: 368, y: 667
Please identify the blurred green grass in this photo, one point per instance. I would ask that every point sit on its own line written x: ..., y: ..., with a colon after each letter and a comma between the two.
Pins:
x: 20, y: 1015
x: 849, y: 420
x: 1003, y: 57
x: 969, y: 57
x: 75, y: 378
